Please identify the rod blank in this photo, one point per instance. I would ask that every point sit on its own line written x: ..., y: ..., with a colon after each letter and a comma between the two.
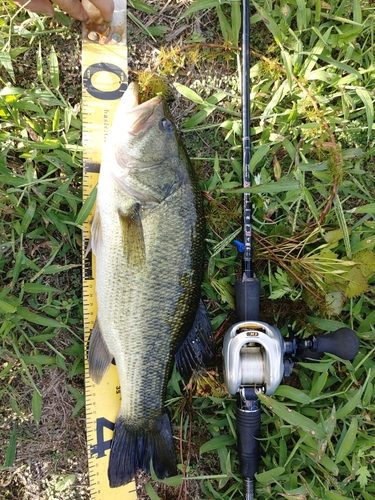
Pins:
x: 246, y: 136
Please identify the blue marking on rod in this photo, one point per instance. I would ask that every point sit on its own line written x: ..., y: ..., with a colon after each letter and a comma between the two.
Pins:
x: 240, y: 246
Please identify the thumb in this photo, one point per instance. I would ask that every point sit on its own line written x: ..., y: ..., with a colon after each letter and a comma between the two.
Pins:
x: 73, y: 8
x: 38, y: 6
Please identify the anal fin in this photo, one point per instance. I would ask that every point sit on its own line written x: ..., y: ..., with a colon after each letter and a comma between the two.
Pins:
x: 197, y: 351
x: 98, y: 356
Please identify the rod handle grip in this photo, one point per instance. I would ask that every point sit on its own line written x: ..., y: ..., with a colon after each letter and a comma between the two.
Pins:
x: 247, y: 299
x: 248, y: 430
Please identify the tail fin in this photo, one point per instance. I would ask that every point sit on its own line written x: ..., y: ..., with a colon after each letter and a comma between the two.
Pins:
x: 134, y: 448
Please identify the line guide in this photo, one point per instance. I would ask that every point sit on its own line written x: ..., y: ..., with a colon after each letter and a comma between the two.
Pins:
x: 104, y: 76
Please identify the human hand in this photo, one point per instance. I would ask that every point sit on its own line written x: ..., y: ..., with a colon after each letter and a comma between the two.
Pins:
x: 72, y: 7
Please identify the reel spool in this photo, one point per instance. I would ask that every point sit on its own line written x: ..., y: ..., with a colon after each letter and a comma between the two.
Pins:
x: 253, y: 357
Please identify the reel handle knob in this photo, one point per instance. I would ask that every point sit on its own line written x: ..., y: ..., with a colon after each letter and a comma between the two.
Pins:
x: 343, y: 343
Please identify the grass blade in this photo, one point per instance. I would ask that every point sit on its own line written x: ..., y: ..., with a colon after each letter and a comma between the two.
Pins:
x: 288, y: 67
x: 347, y: 441
x: 302, y: 19
x: 142, y: 7
x: 28, y: 217
x: 259, y: 155
x: 151, y: 492
x: 369, y: 208
x: 11, y: 450
x: 284, y: 184
x: 343, y: 226
x: 293, y: 417
x: 86, y: 207
x: 36, y: 405
x: 216, y: 443
x: 236, y: 22
x: 270, y: 23
x: 365, y: 97
x: 270, y: 475
x: 188, y: 93
x: 7, y: 308
x: 226, y: 29
x: 39, y: 63
x: 6, y: 61
x: 351, y: 404
x: 54, y: 69
x: 357, y: 11
x: 39, y: 288
x: 201, y: 5
x: 38, y: 319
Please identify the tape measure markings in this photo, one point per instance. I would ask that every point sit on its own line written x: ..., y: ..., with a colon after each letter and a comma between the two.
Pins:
x: 104, y: 68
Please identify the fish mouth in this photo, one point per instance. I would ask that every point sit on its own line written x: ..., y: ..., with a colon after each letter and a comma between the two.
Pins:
x: 139, y: 117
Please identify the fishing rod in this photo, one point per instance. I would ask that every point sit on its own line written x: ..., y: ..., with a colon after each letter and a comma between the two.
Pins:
x: 248, y: 289
x: 255, y: 355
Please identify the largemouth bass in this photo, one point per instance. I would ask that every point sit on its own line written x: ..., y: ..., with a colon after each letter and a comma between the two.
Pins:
x: 148, y: 236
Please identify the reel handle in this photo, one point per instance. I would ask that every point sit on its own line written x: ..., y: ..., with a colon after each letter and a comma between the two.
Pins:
x: 343, y: 343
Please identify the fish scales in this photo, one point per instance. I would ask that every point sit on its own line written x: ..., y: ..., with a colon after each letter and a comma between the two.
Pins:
x: 146, y: 303
x: 148, y: 237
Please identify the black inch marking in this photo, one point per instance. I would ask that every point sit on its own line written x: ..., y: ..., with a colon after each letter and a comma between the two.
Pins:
x: 88, y: 261
x: 100, y: 94
x: 92, y: 167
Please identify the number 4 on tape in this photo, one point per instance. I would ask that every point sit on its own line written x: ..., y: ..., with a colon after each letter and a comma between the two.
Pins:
x: 104, y: 78
x: 101, y: 446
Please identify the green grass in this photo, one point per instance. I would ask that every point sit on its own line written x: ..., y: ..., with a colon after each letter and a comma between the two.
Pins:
x: 312, y: 94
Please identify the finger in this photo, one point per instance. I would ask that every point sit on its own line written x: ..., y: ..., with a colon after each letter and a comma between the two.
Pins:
x: 38, y: 6
x: 106, y: 8
x: 73, y: 8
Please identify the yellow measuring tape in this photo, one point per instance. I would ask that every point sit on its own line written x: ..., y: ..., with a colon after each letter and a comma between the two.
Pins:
x: 104, y: 70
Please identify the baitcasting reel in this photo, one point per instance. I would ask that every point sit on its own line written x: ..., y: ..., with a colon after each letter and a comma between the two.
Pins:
x: 256, y: 358
x: 256, y: 355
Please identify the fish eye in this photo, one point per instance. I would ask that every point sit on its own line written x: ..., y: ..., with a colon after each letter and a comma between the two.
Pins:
x: 166, y: 125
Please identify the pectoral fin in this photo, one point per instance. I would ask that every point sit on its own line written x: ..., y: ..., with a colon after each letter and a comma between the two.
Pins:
x: 197, y: 351
x: 96, y: 234
x: 132, y: 236
x: 99, y: 357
